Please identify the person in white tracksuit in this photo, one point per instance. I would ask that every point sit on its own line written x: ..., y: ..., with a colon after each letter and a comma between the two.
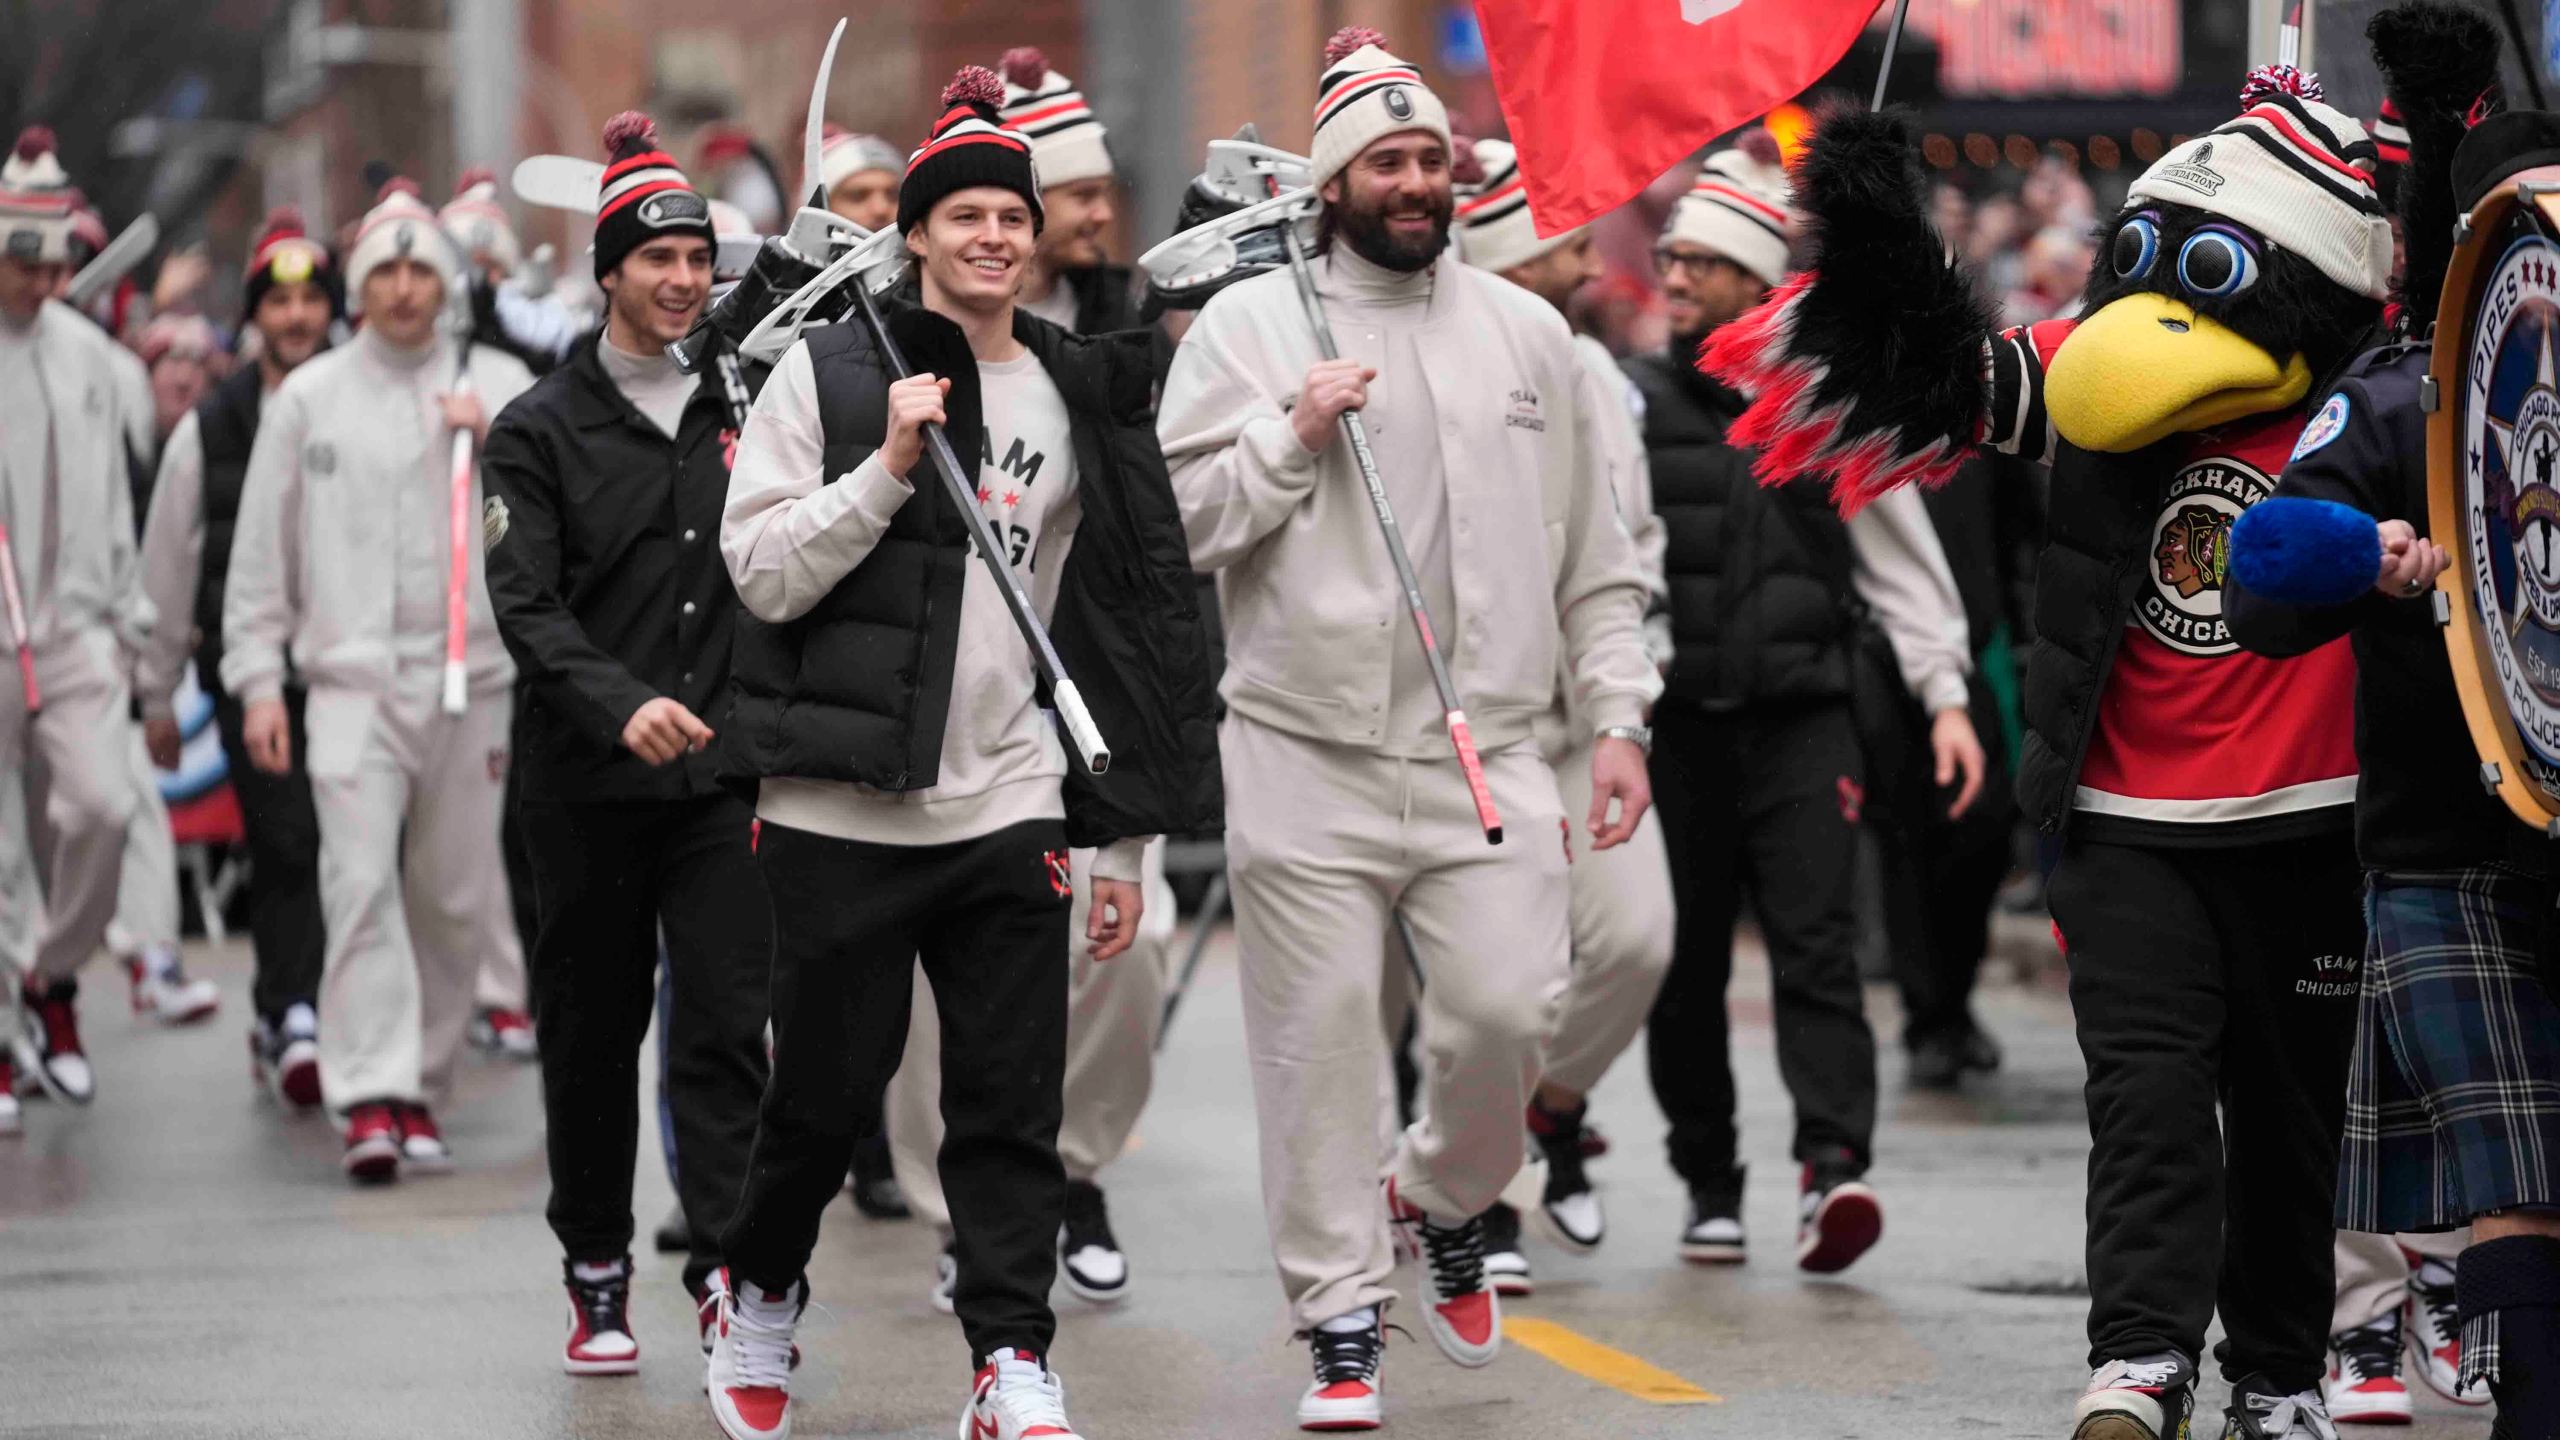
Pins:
x: 346, y: 558
x: 66, y: 503
x: 1621, y: 898
x: 1344, y: 803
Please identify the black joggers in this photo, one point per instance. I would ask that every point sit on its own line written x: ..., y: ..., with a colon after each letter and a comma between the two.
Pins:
x: 988, y: 918
x: 283, y: 831
x: 1762, y: 802
x: 2214, y: 991
x: 609, y: 875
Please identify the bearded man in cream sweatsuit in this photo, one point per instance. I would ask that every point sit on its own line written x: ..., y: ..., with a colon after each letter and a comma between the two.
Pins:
x: 1344, y: 799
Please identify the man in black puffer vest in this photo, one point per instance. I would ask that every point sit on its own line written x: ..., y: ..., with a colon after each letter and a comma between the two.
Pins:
x: 1757, y: 761
x: 293, y: 294
x: 914, y: 802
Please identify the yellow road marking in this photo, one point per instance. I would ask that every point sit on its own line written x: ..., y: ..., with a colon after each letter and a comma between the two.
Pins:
x: 1594, y: 1361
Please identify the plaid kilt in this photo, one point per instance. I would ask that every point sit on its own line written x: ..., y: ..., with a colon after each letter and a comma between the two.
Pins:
x: 2453, y: 1098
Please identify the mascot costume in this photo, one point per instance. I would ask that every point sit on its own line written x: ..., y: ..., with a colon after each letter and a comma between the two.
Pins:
x: 2207, y: 892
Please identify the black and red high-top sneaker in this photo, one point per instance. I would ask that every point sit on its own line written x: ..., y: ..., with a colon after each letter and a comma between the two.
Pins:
x: 600, y: 1339
x: 54, y: 1054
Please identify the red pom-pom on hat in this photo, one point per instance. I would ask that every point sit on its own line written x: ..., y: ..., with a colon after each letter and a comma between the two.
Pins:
x: 629, y: 130
x: 1026, y: 66
x: 1348, y: 39
x: 35, y: 140
x: 2269, y: 80
x: 1760, y: 145
x: 974, y: 85
x: 476, y: 175
x: 397, y: 185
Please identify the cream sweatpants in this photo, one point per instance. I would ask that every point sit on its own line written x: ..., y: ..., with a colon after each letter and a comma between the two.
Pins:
x: 1323, y: 843
x: 2373, y: 1273
x: 412, y: 887
x: 147, y: 904
x: 1113, y: 1011
x: 77, y: 746
x: 1621, y: 936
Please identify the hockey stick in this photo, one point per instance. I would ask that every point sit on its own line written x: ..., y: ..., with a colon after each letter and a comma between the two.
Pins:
x: 18, y: 621
x: 1204, y: 925
x: 114, y: 262
x: 1464, y: 742
x: 457, y: 588
x: 1077, y: 721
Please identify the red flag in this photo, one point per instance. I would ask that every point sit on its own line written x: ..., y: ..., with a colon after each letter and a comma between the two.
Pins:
x: 1604, y: 95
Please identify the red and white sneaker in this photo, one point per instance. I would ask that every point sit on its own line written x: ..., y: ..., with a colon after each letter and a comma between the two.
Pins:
x: 1347, y: 1393
x: 2432, y: 1325
x: 160, y: 988
x: 373, y: 1144
x: 422, y: 1146
x: 284, y: 1056
x: 1461, y: 1311
x: 502, y: 1031
x: 1843, y: 1219
x: 749, y: 1377
x: 1016, y: 1397
x: 600, y: 1339
x: 10, y: 1123
x: 50, y: 1044
x: 2363, y: 1386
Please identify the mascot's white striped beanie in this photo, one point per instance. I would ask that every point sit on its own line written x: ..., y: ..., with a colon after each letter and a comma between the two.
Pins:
x: 1066, y: 140
x: 2295, y: 171
x: 35, y: 200
x: 1366, y: 95
x: 1495, y: 229
x: 478, y: 222
x: 1739, y: 208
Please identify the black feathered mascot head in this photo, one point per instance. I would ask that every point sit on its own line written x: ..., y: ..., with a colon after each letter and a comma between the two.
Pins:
x: 2248, y: 266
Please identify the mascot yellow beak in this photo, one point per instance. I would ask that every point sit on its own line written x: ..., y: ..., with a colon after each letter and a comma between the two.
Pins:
x: 2145, y: 367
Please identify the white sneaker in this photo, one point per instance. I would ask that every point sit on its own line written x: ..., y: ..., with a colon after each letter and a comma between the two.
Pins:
x: 10, y: 1123
x: 2432, y: 1327
x: 161, y: 988
x: 287, y: 1057
x: 422, y: 1147
x: 2150, y: 1396
x: 1505, y: 1263
x: 48, y: 1047
x: 749, y: 1377
x: 1016, y: 1398
x: 1089, y: 1255
x: 2363, y: 1386
x: 2258, y: 1415
x: 502, y: 1031
x: 1710, y: 1238
x: 1347, y: 1394
x: 946, y: 1277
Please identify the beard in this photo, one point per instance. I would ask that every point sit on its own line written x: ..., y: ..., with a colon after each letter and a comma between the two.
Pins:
x: 1365, y: 230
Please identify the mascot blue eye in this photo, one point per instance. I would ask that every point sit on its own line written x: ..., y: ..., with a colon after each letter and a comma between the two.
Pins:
x: 2137, y: 248
x: 2216, y: 263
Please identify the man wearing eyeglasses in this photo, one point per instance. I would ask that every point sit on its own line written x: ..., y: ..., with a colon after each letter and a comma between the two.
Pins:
x: 1756, y: 762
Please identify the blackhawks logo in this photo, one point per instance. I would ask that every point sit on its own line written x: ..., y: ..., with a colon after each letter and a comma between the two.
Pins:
x: 2191, y: 551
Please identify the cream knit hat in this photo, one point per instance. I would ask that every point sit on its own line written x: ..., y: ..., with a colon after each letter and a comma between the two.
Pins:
x: 1739, y: 208
x: 2295, y: 171
x: 1367, y: 94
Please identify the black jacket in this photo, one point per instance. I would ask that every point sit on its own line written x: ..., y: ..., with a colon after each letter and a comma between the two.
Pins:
x: 226, y: 426
x: 1759, y: 577
x: 608, y: 582
x: 859, y: 688
x: 2419, y: 801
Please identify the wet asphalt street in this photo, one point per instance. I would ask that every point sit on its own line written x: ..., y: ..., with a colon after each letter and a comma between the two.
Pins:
x: 183, y: 1260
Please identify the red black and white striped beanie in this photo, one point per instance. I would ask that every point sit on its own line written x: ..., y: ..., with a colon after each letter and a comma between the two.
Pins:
x: 478, y: 222
x: 1366, y: 95
x: 1495, y: 231
x: 2390, y: 153
x: 1067, y: 142
x: 1740, y: 208
x: 844, y: 154
x: 643, y: 195
x: 399, y: 227
x: 2297, y: 172
x: 285, y: 255
x: 968, y: 147
x: 35, y: 200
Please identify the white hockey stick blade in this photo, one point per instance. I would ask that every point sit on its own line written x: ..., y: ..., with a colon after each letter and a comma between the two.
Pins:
x: 813, y: 133
x: 115, y: 261
x: 559, y: 182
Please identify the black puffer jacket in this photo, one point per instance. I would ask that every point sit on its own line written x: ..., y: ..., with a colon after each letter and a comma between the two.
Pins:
x: 226, y: 425
x: 859, y: 688
x: 1759, y: 577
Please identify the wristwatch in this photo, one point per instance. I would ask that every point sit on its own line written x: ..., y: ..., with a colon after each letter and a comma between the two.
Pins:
x: 1642, y: 735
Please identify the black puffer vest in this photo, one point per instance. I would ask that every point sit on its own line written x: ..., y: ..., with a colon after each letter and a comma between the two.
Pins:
x: 227, y: 423
x: 1760, y: 597
x: 859, y: 688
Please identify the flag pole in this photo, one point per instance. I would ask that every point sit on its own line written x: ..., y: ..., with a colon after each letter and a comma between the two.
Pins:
x: 1892, y: 43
